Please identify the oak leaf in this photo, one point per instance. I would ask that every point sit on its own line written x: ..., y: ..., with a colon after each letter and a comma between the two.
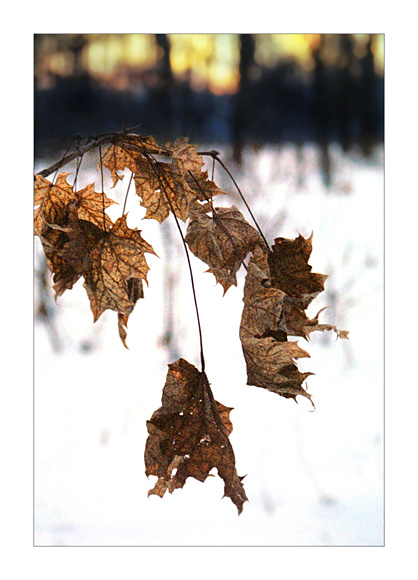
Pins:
x: 222, y: 242
x: 189, y: 435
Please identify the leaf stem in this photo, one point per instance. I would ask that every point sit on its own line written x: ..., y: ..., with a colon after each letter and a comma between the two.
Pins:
x: 215, y: 155
x: 162, y: 185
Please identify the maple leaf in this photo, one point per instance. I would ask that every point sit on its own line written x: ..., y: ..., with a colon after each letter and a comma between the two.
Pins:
x: 222, y: 242
x: 268, y: 355
x: 189, y: 435
x: 68, y: 250
x: 51, y: 200
x: 91, y: 206
x: 173, y: 186
x: 117, y: 260
x: 291, y: 272
x: 185, y: 157
x: 279, y: 286
x: 118, y: 158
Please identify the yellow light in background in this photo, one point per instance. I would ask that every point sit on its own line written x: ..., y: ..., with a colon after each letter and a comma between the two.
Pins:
x: 270, y: 48
x: 140, y: 50
x: 105, y: 52
x: 207, y: 61
x: 379, y: 53
x: 211, y: 59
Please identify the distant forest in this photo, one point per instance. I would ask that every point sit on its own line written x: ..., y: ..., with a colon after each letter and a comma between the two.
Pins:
x: 342, y: 101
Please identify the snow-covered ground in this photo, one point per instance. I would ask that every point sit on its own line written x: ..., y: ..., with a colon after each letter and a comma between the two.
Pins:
x: 313, y: 478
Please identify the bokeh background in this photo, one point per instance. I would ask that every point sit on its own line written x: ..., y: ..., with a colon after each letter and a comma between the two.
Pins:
x: 299, y: 121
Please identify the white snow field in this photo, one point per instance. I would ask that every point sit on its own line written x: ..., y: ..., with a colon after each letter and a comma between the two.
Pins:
x: 312, y: 478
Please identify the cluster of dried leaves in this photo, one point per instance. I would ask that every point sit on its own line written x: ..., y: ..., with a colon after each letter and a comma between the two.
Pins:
x: 189, y: 434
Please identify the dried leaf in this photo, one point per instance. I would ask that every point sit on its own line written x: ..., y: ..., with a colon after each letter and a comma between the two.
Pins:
x: 91, y: 206
x: 268, y: 355
x: 278, y: 288
x: 222, y: 242
x: 189, y: 435
x: 148, y: 188
x: 70, y: 256
x: 52, y: 201
x: 118, y: 158
x: 173, y: 187
x: 185, y: 157
x: 291, y: 272
x: 117, y: 258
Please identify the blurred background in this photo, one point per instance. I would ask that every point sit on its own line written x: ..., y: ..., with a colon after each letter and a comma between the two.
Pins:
x: 231, y: 88
x: 299, y: 121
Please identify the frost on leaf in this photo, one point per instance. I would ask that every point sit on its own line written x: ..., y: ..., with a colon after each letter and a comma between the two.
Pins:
x: 222, y: 242
x: 278, y: 288
x: 189, y: 435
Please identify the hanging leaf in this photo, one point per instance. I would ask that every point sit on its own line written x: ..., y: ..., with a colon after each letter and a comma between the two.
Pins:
x: 117, y: 258
x: 268, y: 355
x: 222, y: 242
x: 291, y: 272
x: 69, y: 249
x: 92, y: 205
x: 51, y: 200
x: 117, y: 158
x: 278, y: 288
x: 189, y: 436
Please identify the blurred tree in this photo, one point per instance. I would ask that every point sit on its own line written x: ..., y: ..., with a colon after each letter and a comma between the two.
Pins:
x: 368, y: 99
x: 242, y: 98
x: 166, y: 85
x: 346, y: 95
x: 322, y: 106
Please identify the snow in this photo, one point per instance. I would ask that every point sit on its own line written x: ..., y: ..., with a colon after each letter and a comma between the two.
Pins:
x: 312, y: 478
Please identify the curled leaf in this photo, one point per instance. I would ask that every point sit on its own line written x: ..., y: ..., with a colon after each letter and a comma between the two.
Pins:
x: 189, y: 435
x: 222, y: 242
x: 268, y: 355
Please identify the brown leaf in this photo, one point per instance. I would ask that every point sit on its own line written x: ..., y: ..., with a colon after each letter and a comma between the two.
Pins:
x: 117, y: 258
x: 52, y: 201
x: 70, y: 255
x: 148, y: 188
x: 278, y: 288
x: 118, y: 158
x: 222, y: 242
x: 185, y: 157
x: 268, y: 355
x: 91, y: 206
x: 189, y: 435
x: 173, y: 187
x: 291, y: 272
x: 171, y: 190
